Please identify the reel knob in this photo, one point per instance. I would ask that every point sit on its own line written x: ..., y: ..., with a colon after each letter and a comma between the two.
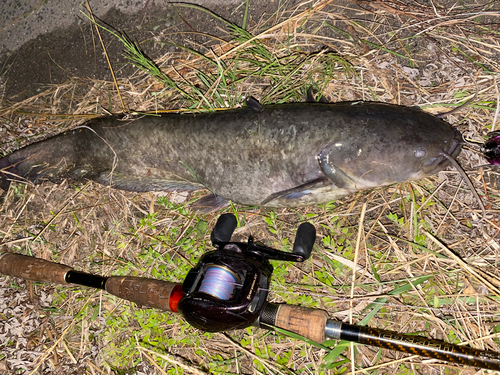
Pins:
x: 304, y: 240
x: 224, y: 228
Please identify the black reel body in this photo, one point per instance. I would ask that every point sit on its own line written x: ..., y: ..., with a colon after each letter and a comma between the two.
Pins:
x: 226, y: 290
x: 228, y: 287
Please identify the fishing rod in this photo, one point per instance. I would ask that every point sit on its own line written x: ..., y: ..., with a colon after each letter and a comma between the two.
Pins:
x: 228, y: 290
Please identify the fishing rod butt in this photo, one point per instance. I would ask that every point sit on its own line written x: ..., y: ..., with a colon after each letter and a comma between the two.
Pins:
x: 304, y: 321
x: 33, y: 269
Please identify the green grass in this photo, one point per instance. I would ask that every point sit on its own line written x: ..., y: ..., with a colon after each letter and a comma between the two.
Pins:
x: 168, y: 255
x: 289, y: 71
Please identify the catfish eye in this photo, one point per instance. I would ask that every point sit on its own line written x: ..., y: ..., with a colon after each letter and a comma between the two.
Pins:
x: 420, y: 152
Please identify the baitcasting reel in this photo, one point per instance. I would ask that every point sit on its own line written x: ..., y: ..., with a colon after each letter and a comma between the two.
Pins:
x: 228, y: 287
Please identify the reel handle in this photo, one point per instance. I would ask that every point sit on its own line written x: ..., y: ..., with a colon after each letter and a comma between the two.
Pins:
x: 302, y: 247
x: 304, y: 240
x: 224, y: 228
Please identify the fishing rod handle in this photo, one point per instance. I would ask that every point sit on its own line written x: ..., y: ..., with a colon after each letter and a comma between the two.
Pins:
x: 158, y: 294
x: 34, y: 269
x: 304, y: 321
x: 153, y: 293
x: 419, y: 345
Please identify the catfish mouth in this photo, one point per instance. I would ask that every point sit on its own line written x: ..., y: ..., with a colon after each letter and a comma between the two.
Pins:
x: 442, y: 161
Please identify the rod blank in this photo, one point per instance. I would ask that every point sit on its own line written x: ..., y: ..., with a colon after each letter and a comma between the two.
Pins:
x: 419, y: 345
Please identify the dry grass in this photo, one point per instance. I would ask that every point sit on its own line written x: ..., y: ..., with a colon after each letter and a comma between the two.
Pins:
x: 410, y: 236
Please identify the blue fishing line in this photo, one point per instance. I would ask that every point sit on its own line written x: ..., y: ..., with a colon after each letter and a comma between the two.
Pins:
x: 218, y: 282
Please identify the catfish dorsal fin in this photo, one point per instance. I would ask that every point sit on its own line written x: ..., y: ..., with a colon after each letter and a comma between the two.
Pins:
x: 254, y: 104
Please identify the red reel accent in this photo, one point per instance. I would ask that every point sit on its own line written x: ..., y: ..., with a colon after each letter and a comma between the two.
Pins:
x: 175, y: 297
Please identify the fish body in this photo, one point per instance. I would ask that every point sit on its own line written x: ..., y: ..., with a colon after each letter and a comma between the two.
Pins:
x: 285, y: 155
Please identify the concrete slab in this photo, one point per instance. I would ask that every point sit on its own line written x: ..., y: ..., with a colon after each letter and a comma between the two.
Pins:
x: 48, y: 41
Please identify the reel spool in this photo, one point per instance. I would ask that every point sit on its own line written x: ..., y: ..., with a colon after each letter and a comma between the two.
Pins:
x: 228, y: 287
x: 219, y: 282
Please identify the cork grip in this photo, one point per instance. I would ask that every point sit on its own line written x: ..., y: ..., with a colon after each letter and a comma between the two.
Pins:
x: 146, y: 292
x: 306, y: 322
x: 30, y: 268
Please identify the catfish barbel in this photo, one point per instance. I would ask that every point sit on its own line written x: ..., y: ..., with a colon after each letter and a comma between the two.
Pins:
x: 286, y: 155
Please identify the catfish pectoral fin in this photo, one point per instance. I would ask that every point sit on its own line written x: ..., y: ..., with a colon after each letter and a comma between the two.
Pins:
x: 209, y: 203
x: 296, y: 193
x: 334, y: 174
x: 143, y: 184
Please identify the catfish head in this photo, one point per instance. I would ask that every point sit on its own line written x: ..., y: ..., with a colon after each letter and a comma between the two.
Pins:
x: 390, y: 144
